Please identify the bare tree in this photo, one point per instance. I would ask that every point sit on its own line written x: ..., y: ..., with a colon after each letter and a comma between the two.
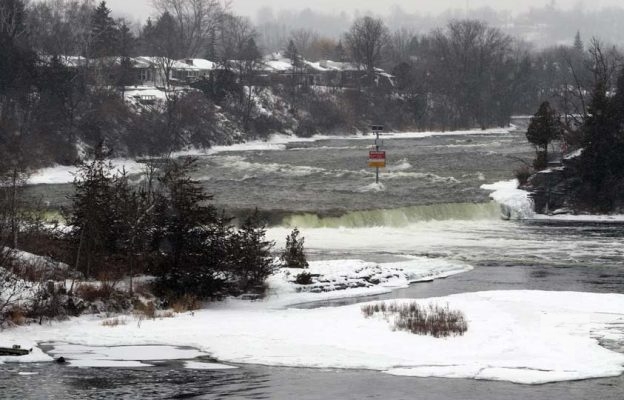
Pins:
x: 303, y: 40
x: 196, y: 20
x: 12, y: 15
x: 366, y: 41
x: 468, y: 62
x: 400, y: 45
x: 234, y: 35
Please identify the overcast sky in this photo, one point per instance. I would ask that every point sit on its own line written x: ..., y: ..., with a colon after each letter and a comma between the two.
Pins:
x: 141, y: 8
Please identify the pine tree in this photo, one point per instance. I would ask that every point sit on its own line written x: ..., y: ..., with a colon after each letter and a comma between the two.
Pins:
x: 125, y: 74
x: 91, y: 215
x: 294, y: 255
x: 543, y: 129
x: 252, y: 262
x: 183, y: 222
x: 293, y: 55
x: 578, y: 43
x: 104, y: 35
x: 602, y: 160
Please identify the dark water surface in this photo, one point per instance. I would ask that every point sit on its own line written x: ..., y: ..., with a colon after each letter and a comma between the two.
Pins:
x: 258, y: 382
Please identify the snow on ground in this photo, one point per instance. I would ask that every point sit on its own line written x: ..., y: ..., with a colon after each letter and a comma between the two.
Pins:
x: 334, y: 279
x: 526, y: 337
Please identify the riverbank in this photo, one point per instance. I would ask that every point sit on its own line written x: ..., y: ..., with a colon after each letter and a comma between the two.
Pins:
x: 528, y: 337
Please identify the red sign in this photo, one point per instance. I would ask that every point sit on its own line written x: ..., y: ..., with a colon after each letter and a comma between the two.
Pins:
x: 377, y: 159
x: 377, y: 155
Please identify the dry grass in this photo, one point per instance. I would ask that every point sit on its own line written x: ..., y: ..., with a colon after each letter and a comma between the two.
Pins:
x: 186, y: 303
x: 16, y: 316
x: 113, y: 322
x: 94, y: 292
x: 145, y: 311
x: 432, y: 320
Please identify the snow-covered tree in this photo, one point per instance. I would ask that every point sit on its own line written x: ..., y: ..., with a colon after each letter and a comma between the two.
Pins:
x: 294, y: 255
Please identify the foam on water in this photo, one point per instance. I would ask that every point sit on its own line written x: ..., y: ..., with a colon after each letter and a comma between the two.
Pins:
x: 400, y: 217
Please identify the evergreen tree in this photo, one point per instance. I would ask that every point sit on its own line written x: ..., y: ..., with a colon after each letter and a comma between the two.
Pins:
x: 293, y: 55
x: 91, y: 216
x: 602, y: 160
x: 543, y: 129
x: 125, y: 74
x: 252, y: 262
x: 294, y: 255
x: 578, y: 43
x: 183, y: 226
x: 104, y: 36
x: 340, y: 53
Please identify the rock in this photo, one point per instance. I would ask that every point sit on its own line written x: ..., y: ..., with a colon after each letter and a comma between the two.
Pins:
x: 13, y: 351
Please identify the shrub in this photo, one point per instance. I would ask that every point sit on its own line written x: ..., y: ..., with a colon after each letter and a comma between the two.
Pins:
x: 187, y: 302
x: 145, y: 310
x: 432, y: 320
x: 16, y: 316
x: 522, y: 175
x: 94, y: 292
x: 113, y: 322
x: 304, y: 278
x: 294, y: 255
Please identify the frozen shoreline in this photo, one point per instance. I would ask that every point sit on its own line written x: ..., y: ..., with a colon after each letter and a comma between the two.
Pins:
x: 520, y: 206
x: 528, y: 337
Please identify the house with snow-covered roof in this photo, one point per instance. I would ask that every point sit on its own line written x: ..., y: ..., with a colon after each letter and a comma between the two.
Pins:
x: 324, y: 73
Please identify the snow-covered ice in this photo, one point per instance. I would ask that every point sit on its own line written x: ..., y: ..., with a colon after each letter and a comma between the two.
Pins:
x: 207, y: 366
x: 528, y: 337
x: 516, y: 203
x: 334, y: 279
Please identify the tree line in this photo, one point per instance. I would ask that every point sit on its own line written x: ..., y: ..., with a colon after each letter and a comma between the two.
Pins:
x: 593, y: 125
x: 165, y: 226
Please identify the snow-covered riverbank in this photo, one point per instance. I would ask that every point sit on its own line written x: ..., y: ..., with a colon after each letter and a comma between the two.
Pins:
x: 517, y: 204
x: 519, y: 336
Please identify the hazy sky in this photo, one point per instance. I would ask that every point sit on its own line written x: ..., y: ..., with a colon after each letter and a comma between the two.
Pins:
x: 141, y: 8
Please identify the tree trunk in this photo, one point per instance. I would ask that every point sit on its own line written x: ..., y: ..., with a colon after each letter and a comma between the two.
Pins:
x: 14, y: 222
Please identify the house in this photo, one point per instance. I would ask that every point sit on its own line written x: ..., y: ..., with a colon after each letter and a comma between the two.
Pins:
x: 323, y: 73
x: 191, y: 69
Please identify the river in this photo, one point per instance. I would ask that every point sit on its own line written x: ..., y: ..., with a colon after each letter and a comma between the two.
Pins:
x: 430, y: 205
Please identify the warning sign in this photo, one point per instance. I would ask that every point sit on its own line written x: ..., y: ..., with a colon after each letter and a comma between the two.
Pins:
x: 377, y: 159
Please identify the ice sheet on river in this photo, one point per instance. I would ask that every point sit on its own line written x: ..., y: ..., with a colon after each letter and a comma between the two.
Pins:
x: 526, y: 337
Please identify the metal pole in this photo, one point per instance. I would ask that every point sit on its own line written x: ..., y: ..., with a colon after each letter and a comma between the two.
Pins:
x: 377, y: 149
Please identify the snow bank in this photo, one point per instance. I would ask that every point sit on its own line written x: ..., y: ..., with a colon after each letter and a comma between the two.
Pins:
x: 354, y: 278
x: 121, y: 356
x: 61, y: 174
x: 526, y: 337
x: 514, y: 202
